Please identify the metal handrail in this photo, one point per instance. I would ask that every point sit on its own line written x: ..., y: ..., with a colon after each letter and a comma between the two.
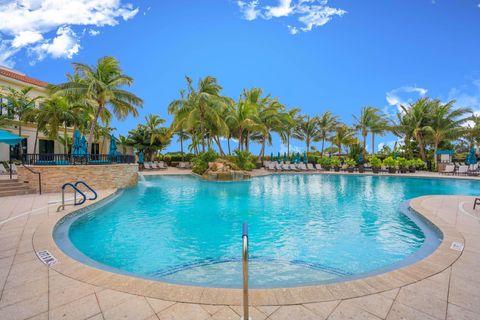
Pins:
x: 88, y: 187
x: 245, y: 270
x: 75, y: 189
x: 39, y: 177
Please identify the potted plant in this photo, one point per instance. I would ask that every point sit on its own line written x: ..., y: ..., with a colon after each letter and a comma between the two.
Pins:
x: 419, y: 164
x: 411, y: 164
x: 402, y: 164
x: 391, y: 164
x: 376, y: 164
x: 325, y: 162
x: 351, y: 163
x: 335, y: 162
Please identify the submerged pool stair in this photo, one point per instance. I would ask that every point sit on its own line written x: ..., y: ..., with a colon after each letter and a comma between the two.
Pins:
x: 76, y: 190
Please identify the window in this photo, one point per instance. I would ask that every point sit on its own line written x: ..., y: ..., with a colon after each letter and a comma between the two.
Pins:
x: 45, y: 146
x: 95, y: 148
x: 15, y: 150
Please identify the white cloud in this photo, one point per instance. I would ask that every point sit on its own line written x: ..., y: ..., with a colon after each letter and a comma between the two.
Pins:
x: 64, y: 45
x: 467, y: 96
x: 308, y: 14
x: 249, y: 9
x: 293, y: 148
x: 404, y: 95
x: 46, y: 27
x: 93, y: 32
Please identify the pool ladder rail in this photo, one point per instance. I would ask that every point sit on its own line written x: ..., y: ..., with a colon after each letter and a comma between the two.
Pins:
x: 75, y: 188
x: 245, y: 272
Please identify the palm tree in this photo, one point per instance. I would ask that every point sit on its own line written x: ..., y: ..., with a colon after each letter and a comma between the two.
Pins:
x: 326, y: 124
x: 446, y: 123
x: 269, y: 119
x: 200, y: 108
x: 289, y: 123
x: 102, y: 86
x: 20, y: 105
x: 124, y: 142
x: 182, y: 136
x: 344, y: 135
x: 55, y: 113
x: 371, y: 121
x: 379, y: 126
x: 415, y: 118
x: 307, y: 130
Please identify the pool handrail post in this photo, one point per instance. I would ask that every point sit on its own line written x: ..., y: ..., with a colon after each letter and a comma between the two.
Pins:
x: 245, y: 270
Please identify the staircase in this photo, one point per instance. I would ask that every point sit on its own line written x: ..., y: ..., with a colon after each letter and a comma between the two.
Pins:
x: 14, y: 188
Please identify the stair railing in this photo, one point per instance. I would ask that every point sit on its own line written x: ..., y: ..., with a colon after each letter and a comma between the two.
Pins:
x: 39, y: 177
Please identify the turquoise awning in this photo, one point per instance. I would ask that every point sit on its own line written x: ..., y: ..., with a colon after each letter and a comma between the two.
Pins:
x: 445, y: 152
x: 9, y: 138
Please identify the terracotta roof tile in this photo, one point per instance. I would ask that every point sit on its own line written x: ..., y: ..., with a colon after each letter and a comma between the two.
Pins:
x: 23, y: 78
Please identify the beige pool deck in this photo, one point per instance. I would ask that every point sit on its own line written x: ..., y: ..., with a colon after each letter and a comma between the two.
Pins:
x: 444, y: 285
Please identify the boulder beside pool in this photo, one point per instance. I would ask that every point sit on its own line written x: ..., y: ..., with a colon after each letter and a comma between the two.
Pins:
x: 224, y: 170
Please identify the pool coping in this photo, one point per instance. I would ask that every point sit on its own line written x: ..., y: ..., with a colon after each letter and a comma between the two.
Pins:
x: 436, y: 262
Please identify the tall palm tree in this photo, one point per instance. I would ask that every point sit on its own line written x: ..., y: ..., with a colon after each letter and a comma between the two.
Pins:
x: 123, y: 142
x: 379, y: 126
x: 102, y: 86
x: 200, y: 108
x: 182, y: 136
x: 20, y: 105
x: 415, y: 117
x: 326, y: 124
x: 56, y: 113
x: 446, y: 122
x: 344, y: 135
x: 369, y: 121
x: 269, y: 119
x: 307, y: 130
x: 289, y: 123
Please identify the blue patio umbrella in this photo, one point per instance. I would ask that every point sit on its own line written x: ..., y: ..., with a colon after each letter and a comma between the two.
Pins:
x: 271, y: 157
x: 84, y: 147
x: 360, y: 158
x: 284, y: 157
x: 278, y: 158
x: 77, y: 144
x: 140, y: 157
x: 113, y: 146
x: 12, y: 140
x: 305, y: 160
x: 471, y: 158
x: 298, y: 157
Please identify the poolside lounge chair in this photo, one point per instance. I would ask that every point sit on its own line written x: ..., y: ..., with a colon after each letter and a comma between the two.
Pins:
x: 271, y: 167
x: 147, y: 166
x: 154, y: 165
x: 302, y: 167
x: 310, y: 167
x: 278, y: 167
x: 286, y: 167
x: 462, y: 169
x: 162, y: 165
x: 449, y: 169
x: 3, y: 171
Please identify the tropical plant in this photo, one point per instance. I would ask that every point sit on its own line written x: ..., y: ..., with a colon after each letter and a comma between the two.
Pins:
x: 123, y: 142
x: 375, y: 162
x: 150, y: 138
x: 307, y: 130
x: 390, y: 163
x: 103, y: 86
x: 327, y: 123
x: 200, y: 164
x: 325, y: 162
x: 350, y: 162
x: 335, y: 161
x: 244, y: 160
x: 344, y: 135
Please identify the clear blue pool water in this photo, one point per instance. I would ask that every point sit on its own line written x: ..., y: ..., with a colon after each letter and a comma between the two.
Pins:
x: 303, y: 229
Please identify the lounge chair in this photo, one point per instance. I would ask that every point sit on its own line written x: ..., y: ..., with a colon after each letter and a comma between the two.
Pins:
x: 462, y: 169
x: 14, y: 168
x: 271, y: 167
x: 161, y: 165
x: 181, y: 165
x: 278, y: 167
x: 310, y: 167
x: 449, y: 169
x: 302, y: 167
x: 147, y: 166
x: 286, y: 167
x: 3, y: 171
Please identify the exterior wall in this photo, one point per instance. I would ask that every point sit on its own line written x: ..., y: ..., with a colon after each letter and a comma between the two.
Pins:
x: 97, y: 176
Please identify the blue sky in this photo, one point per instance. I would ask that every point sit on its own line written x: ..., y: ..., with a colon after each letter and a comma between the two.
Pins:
x: 313, y: 54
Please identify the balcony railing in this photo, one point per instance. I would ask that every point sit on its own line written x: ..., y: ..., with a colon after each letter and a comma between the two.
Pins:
x: 52, y: 159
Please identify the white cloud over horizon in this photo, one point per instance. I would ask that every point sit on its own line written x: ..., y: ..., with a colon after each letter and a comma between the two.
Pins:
x: 46, y: 27
x: 402, y: 96
x: 308, y: 14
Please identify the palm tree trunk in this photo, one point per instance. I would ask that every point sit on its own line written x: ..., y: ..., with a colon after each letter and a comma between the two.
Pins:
x: 246, y: 141
x: 228, y: 144
x: 217, y: 140
x: 323, y: 145
x: 373, y: 144
x: 422, y: 150
x: 339, y: 149
x: 181, y: 147
x: 36, y: 139
x: 364, y: 151
x: 65, y: 142
x: 288, y: 145
x: 92, y: 129
x: 240, y: 142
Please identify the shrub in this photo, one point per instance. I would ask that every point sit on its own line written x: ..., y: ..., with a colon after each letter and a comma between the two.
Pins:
x: 351, y: 162
x: 419, y: 164
x: 335, y: 161
x: 325, y: 161
x: 402, y: 162
x: 375, y: 162
x: 200, y: 164
x: 390, y: 162
x: 244, y: 160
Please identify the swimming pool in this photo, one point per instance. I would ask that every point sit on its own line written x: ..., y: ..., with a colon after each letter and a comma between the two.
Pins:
x: 303, y: 229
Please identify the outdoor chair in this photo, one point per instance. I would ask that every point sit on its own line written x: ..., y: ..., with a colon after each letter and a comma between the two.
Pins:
x: 302, y: 167
x: 147, y: 166
x: 181, y: 165
x: 162, y: 165
x: 310, y: 167
x: 286, y: 167
x: 449, y: 169
x: 3, y: 171
x: 271, y: 167
x: 462, y: 169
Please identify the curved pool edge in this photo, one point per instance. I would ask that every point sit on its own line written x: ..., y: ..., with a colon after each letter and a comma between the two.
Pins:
x: 431, y: 265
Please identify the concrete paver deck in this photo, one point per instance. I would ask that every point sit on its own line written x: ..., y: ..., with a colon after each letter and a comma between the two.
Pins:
x: 31, y: 290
